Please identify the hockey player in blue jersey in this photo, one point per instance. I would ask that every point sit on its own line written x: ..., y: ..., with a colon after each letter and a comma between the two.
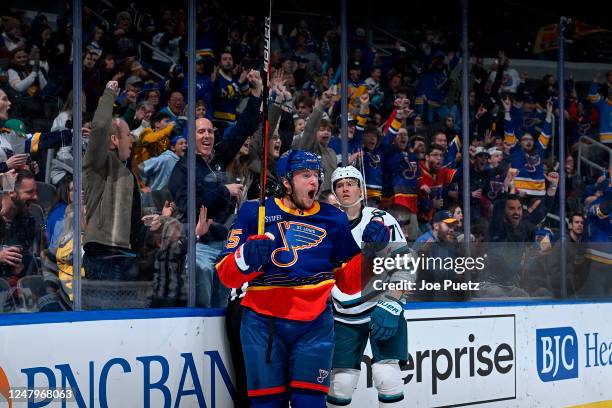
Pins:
x: 362, y: 316
x: 287, y: 326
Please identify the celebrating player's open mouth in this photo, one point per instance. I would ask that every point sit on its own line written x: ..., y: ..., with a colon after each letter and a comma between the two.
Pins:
x: 305, y: 185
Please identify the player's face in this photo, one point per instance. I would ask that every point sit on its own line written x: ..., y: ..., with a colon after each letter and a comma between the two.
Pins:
x: 305, y: 185
x: 347, y: 190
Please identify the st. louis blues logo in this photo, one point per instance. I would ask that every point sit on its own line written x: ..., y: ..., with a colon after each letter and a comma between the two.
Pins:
x: 322, y: 375
x: 373, y: 160
x: 410, y: 169
x: 296, y: 236
x: 584, y: 129
x: 532, y: 161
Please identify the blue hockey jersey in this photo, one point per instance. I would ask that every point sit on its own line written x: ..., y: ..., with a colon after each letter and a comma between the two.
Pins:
x: 604, y: 106
x: 530, y: 164
x: 312, y: 250
x: 599, y: 234
x: 434, y: 84
x: 373, y: 172
x: 400, y: 173
x: 226, y: 95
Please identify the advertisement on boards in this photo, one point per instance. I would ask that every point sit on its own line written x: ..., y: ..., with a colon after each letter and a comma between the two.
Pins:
x: 523, y: 355
x: 165, y: 362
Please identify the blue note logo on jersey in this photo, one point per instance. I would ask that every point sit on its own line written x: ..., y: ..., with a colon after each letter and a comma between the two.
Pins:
x: 584, y: 129
x: 557, y: 353
x: 296, y: 237
x: 532, y: 161
x: 410, y: 171
x: 322, y: 375
x: 374, y: 160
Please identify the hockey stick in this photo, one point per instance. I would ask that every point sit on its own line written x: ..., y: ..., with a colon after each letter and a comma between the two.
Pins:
x: 364, y: 188
x: 266, y: 79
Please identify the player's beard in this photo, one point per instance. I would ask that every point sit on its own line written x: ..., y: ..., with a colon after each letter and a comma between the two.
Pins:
x: 303, y: 201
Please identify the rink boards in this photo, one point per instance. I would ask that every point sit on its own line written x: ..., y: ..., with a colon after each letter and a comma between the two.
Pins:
x: 470, y: 354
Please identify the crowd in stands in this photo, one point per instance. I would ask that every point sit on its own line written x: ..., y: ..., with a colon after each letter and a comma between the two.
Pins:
x: 404, y: 134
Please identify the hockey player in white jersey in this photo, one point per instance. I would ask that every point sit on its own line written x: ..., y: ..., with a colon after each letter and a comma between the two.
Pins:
x: 367, y: 315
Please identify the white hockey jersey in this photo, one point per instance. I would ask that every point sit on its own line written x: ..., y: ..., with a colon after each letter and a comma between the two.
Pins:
x: 355, y: 309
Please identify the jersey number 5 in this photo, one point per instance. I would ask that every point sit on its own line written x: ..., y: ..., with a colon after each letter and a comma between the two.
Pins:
x: 233, y: 239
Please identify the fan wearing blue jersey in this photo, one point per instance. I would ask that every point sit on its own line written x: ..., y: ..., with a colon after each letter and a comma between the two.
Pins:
x: 528, y: 156
x: 599, y: 238
x: 228, y: 88
x: 603, y: 104
x: 287, y: 326
x: 362, y: 316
